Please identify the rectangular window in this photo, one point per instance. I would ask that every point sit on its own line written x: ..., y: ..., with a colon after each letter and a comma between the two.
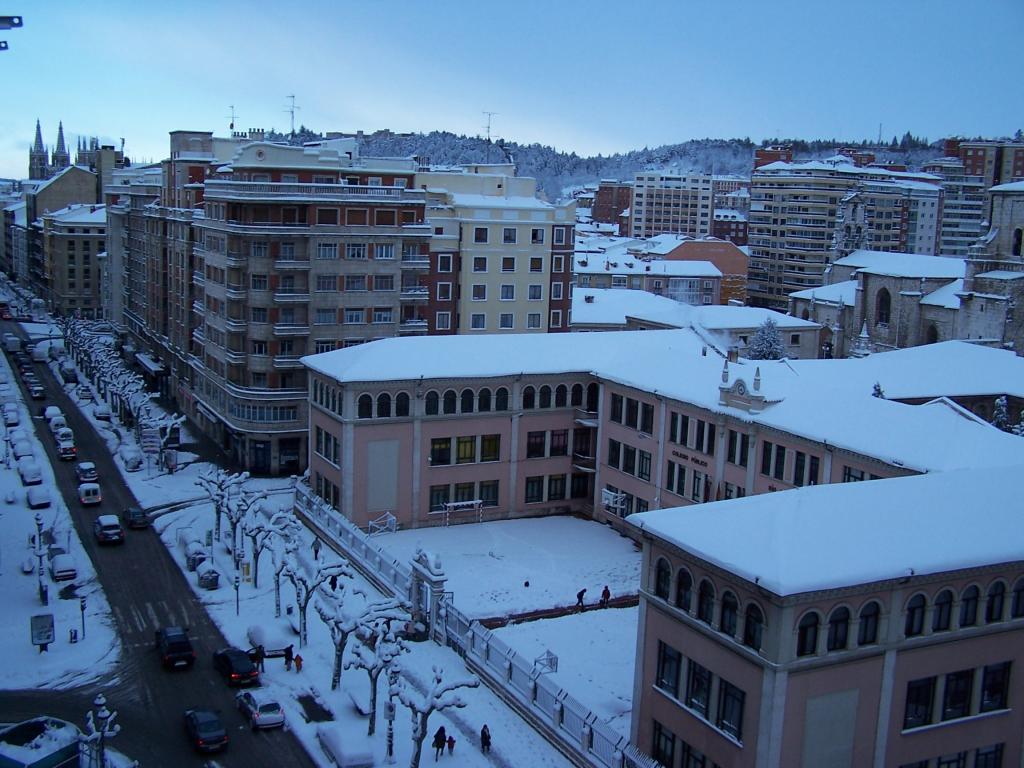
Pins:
x: 327, y: 250
x: 534, y: 489
x: 730, y: 709
x: 478, y: 321
x: 480, y: 234
x: 440, y: 451
x: 616, y: 409
x: 506, y: 321
x: 384, y: 251
x: 489, y: 493
x: 852, y: 475
x: 647, y: 418
x: 535, y: 293
x: 465, y: 450
x: 327, y: 216
x: 326, y: 283
x: 508, y: 235
x: 956, y: 760
x: 259, y: 347
x: 259, y: 314
x: 439, y: 496
x: 614, y: 453
x: 508, y: 263
x: 465, y: 491
x: 995, y: 682
x: 664, y: 747
x: 629, y: 459
x: 383, y: 315
x: 989, y: 757
x: 536, y: 264
x: 697, y: 490
x: 259, y: 250
x: 479, y: 292
x: 258, y: 282
x: 556, y: 487
x: 444, y: 262
x: 325, y: 316
x: 479, y: 263
x: 490, y: 447
x: 536, y: 443
x: 355, y: 282
x: 533, y: 320
x: 632, y: 412
x: 443, y: 321
x: 739, y: 444
x: 556, y: 291
x: 559, y: 442
x: 956, y: 701
x: 508, y: 293
x: 355, y: 251
x: 556, y: 318
x: 537, y: 236
x: 557, y: 264
x: 643, y: 470
x: 559, y: 235
x: 444, y: 291
x: 355, y: 316
x: 698, y: 687
x: 383, y: 282
x: 669, y: 666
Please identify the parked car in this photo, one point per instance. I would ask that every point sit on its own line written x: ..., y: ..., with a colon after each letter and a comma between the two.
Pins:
x: 62, y: 568
x: 205, y: 730
x: 11, y: 416
x: 134, y: 517
x: 175, y: 648
x: 101, y: 412
x: 29, y: 470
x: 38, y: 497
x: 51, y: 411
x: 21, y: 449
x: 108, y: 530
x: 68, y: 373
x: 235, y: 667
x: 89, y: 494
x: 14, y: 435
x: 260, y: 709
x: 84, y: 393
x: 58, y: 422
x: 132, y: 458
x: 86, y: 472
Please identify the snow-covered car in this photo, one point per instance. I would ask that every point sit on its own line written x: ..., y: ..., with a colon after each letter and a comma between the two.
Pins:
x: 86, y: 472
x: 84, y: 393
x: 57, y: 423
x: 260, y: 709
x: 62, y: 568
x: 51, y: 411
x: 21, y: 449
x: 38, y: 497
x: 108, y: 530
x: 132, y: 458
x: 11, y: 417
x: 101, y: 412
x: 14, y: 435
x: 29, y: 470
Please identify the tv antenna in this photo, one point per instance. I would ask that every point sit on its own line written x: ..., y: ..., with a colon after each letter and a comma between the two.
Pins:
x: 291, y: 110
x: 232, y: 117
x: 488, y: 129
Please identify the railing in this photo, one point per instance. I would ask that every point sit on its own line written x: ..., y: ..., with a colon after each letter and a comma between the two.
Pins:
x: 415, y: 293
x: 420, y: 260
x: 287, y: 361
x: 296, y: 294
x: 222, y: 188
x: 550, y: 708
x: 235, y: 291
x: 291, y: 329
x: 291, y: 262
x: 235, y: 324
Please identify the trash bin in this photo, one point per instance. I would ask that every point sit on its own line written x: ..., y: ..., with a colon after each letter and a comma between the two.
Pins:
x: 209, y: 579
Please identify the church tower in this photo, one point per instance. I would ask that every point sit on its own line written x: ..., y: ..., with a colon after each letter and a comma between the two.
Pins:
x: 37, y: 159
x: 852, y: 231
x: 61, y: 158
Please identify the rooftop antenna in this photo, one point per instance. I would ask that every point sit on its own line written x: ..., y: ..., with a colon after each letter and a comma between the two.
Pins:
x: 291, y: 110
x: 488, y: 127
x: 232, y: 117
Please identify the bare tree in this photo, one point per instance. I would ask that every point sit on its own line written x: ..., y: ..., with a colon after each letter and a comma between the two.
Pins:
x: 220, y: 485
x: 440, y: 696
x: 262, y: 532
x: 307, y: 577
x: 377, y: 650
x: 343, y: 615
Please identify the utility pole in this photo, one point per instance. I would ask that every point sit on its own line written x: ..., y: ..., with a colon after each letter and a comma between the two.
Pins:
x: 291, y: 110
x: 488, y: 128
x: 233, y: 116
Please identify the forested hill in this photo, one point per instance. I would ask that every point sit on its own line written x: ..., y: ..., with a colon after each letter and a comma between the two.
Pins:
x: 558, y: 172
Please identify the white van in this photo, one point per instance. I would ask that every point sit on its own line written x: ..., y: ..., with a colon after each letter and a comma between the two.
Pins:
x: 89, y: 494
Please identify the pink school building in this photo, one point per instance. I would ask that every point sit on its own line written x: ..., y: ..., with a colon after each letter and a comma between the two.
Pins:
x: 448, y: 429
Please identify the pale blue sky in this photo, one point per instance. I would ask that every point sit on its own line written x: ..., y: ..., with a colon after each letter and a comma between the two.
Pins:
x: 584, y: 76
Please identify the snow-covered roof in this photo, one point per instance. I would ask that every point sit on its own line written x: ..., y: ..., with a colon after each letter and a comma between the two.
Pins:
x: 1001, y: 274
x: 498, y: 201
x: 625, y: 264
x: 728, y: 214
x: 611, y: 306
x: 1013, y: 186
x: 43, y: 185
x: 724, y: 317
x: 20, y: 211
x: 843, y: 164
x: 836, y: 293
x: 946, y: 296
x: 79, y: 213
x: 898, y: 264
x: 816, y: 538
x: 811, y: 398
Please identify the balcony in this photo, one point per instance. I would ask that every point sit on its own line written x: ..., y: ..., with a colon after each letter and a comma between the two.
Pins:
x: 291, y: 329
x: 416, y: 261
x: 199, y: 307
x: 222, y: 189
x: 414, y: 293
x: 235, y: 324
x: 235, y: 291
x: 293, y: 262
x: 236, y: 259
x: 291, y: 295
x: 586, y: 418
x: 198, y: 278
x: 412, y: 325
x: 197, y: 336
x: 234, y: 357
x: 287, y: 362
x: 582, y: 463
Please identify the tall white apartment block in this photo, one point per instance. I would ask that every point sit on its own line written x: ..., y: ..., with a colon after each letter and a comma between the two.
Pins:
x: 672, y: 203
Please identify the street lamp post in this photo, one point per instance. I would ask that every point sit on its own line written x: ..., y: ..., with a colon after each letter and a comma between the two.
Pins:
x: 43, y: 597
x: 103, y: 715
x: 81, y: 605
x: 238, y: 582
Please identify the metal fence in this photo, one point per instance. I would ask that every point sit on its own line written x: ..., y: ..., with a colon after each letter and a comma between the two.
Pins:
x: 552, y: 710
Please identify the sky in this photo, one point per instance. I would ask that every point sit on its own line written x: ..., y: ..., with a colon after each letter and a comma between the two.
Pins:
x: 590, y: 77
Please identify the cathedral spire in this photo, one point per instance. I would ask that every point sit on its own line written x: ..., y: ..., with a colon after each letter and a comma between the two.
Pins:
x: 37, y: 145
x: 61, y: 159
x: 60, y: 139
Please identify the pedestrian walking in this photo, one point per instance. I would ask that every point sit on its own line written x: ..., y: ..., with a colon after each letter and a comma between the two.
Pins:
x: 606, y: 595
x: 298, y: 662
x: 316, y: 548
x: 261, y: 654
x: 579, y: 598
x: 288, y: 656
x: 485, y: 739
x: 334, y: 581
x: 440, y: 739
x: 451, y: 744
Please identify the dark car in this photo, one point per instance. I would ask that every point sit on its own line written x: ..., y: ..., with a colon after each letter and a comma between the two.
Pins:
x: 108, y: 530
x: 235, y: 667
x: 36, y: 391
x: 175, y: 648
x: 205, y: 730
x: 134, y: 517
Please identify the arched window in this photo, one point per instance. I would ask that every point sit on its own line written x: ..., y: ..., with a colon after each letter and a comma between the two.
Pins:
x: 932, y: 334
x: 466, y: 401
x: 883, y: 307
x: 706, y: 602
x: 483, y: 400
x: 402, y: 404
x: 545, y: 396
x: 867, y: 630
x: 684, y: 590
x: 994, y: 604
x: 662, y: 578
x: 592, y: 395
x: 807, y: 635
x: 753, y: 627
x: 943, y: 611
x: 1017, y: 607
x: 576, y: 399
x: 383, y: 405
x: 432, y: 403
x: 529, y: 398
x: 838, y: 629
x: 561, y: 396
x: 914, y: 623
x: 501, y: 399
x: 730, y: 610
x: 969, y: 607
x: 365, y: 410
x: 450, y: 401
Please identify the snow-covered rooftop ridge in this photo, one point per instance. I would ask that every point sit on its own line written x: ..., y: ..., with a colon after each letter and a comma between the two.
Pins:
x: 44, y: 184
x: 821, y: 400
x: 844, y: 292
x: 728, y: 214
x: 843, y: 164
x: 470, y: 200
x: 1013, y: 186
x: 790, y: 539
x: 947, y: 296
x: 80, y: 213
x: 625, y: 264
x: 899, y: 264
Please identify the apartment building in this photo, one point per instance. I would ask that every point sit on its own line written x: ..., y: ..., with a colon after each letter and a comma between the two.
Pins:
x: 795, y: 213
x: 963, y: 205
x: 996, y: 162
x: 501, y: 259
x: 612, y: 200
x: 774, y: 647
x: 666, y: 202
x: 731, y: 225
x: 72, y: 239
x: 606, y: 424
